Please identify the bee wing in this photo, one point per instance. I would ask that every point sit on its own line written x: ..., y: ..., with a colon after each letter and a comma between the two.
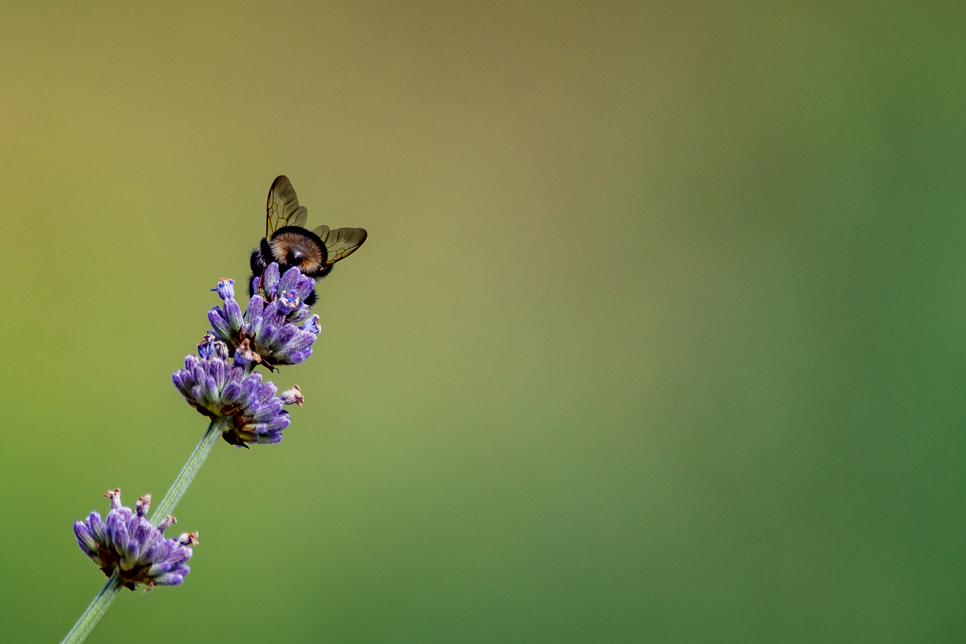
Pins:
x: 341, y: 242
x: 283, y: 207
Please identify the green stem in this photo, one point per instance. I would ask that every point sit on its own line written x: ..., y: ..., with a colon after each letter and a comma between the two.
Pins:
x: 95, y: 611
x: 109, y: 593
x: 188, y: 472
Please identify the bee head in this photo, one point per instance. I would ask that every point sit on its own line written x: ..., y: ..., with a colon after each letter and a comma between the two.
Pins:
x: 295, y: 246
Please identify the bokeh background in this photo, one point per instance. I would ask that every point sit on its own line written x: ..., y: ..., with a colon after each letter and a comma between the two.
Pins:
x: 659, y: 334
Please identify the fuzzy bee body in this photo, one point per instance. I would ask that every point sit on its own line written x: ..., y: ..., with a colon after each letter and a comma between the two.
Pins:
x: 287, y: 242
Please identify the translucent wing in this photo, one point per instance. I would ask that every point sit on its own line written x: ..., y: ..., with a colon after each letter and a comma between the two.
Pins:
x: 283, y: 207
x: 341, y: 242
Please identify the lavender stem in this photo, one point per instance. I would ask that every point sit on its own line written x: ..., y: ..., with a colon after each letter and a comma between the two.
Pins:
x: 188, y: 472
x: 95, y: 611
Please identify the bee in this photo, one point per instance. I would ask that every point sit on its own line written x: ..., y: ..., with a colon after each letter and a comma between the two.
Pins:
x: 313, y: 252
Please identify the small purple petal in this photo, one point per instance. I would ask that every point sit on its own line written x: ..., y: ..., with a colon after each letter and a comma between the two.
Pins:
x: 234, y: 314
x: 219, y: 323
x: 179, y: 556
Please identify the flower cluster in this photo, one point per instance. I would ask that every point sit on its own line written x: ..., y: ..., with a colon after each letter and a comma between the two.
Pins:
x: 219, y: 386
x: 126, y: 541
x: 277, y: 328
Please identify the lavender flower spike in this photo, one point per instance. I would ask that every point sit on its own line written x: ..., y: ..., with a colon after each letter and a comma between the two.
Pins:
x: 278, y: 328
x: 128, y: 543
x: 218, y: 387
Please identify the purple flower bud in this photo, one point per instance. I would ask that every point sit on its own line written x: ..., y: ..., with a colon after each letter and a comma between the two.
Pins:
x: 219, y: 322
x: 225, y: 288
x: 266, y: 339
x: 255, y: 307
x: 97, y: 527
x: 289, y: 280
x: 274, y: 425
x: 230, y: 393
x: 85, y: 538
x: 286, y: 333
x: 268, y: 411
x: 233, y: 314
x: 127, y: 543
x: 269, y: 438
x: 302, y: 340
x: 265, y: 393
x: 294, y: 357
x: 270, y: 280
x: 170, y: 579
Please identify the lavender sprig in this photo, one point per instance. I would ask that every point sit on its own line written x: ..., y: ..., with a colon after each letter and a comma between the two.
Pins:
x: 277, y: 328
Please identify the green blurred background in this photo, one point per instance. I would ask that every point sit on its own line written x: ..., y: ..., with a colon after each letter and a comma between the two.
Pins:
x: 659, y: 334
